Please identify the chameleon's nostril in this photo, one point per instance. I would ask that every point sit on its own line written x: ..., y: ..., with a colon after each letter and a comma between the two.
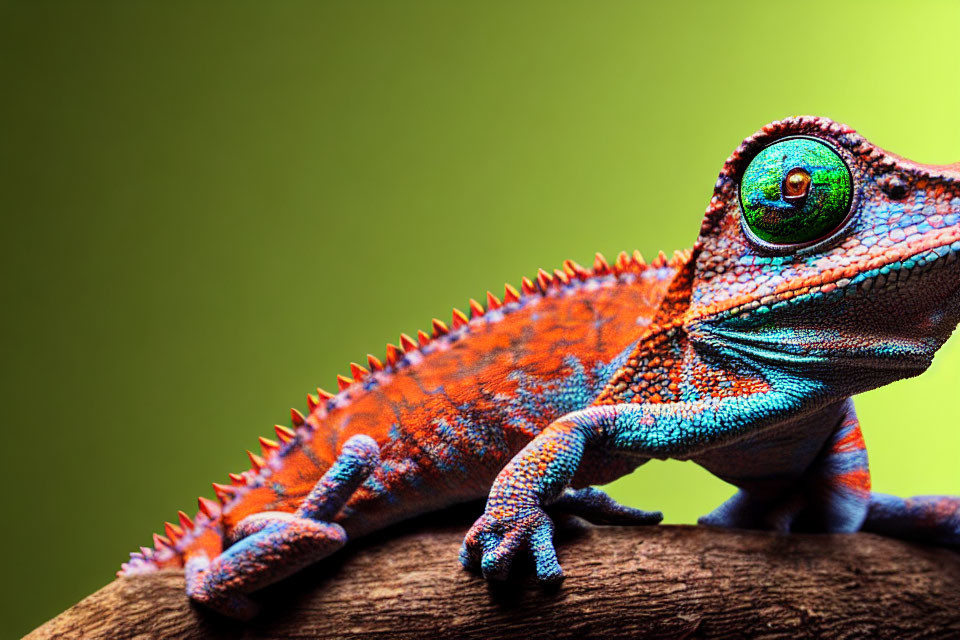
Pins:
x: 894, y: 186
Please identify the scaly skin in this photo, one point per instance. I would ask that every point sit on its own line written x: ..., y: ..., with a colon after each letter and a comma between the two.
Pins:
x: 740, y: 354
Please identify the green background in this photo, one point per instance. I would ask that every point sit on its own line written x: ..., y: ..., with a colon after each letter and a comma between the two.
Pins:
x: 209, y: 209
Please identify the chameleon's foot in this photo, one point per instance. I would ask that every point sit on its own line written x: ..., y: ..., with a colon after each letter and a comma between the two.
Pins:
x: 282, y: 545
x: 492, y: 544
x: 269, y: 546
x: 235, y: 604
x: 933, y: 519
x: 593, y: 505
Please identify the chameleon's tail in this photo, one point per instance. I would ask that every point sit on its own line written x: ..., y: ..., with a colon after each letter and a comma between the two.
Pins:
x: 205, y: 532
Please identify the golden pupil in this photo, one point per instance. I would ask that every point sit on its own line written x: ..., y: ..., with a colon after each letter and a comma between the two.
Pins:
x: 796, y: 184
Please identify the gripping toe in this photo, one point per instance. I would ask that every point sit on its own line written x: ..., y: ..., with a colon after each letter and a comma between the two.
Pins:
x: 593, y: 505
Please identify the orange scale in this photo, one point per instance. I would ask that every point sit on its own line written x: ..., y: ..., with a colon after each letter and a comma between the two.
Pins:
x: 857, y: 480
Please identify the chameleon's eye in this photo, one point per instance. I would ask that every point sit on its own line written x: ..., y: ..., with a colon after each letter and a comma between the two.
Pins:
x: 795, y: 191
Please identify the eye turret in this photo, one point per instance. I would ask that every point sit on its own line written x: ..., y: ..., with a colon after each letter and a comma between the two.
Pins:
x: 795, y: 192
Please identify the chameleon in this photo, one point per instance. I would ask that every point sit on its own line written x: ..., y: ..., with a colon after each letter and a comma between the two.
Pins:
x: 824, y: 267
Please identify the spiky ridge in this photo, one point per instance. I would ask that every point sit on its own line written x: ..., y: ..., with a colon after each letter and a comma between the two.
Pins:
x: 395, y: 358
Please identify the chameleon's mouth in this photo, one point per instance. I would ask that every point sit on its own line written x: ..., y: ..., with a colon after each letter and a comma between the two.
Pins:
x: 904, y: 272
x: 902, y: 267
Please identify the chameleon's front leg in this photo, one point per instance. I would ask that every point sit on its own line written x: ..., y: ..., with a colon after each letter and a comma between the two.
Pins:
x: 267, y: 547
x: 538, y: 477
x: 514, y: 518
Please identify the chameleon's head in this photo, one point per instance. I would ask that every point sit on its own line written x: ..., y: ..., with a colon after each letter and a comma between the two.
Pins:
x: 820, y: 248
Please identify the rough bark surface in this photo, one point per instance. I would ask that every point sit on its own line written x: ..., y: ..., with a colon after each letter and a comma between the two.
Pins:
x: 650, y: 582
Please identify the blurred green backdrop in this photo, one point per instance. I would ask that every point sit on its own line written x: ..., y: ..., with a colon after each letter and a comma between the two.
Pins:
x: 208, y: 209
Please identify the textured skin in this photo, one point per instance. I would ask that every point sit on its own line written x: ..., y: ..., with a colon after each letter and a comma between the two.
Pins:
x: 737, y: 354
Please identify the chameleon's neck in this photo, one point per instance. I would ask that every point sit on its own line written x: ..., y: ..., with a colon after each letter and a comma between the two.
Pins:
x: 654, y: 371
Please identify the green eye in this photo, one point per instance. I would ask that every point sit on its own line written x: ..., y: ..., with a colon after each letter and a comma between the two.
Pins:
x: 795, y: 191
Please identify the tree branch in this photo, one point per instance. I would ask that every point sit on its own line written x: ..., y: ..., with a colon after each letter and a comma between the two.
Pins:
x: 653, y: 582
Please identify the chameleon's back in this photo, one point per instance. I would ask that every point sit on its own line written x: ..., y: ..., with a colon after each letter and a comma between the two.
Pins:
x: 449, y: 411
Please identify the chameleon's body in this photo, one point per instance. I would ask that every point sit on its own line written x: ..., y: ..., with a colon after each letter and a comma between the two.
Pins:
x: 740, y: 354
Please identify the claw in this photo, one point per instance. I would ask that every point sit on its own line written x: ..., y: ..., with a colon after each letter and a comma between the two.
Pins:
x: 496, y: 562
x: 544, y: 553
x: 467, y: 558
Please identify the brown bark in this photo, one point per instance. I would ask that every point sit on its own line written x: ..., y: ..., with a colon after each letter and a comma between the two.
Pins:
x: 652, y: 582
